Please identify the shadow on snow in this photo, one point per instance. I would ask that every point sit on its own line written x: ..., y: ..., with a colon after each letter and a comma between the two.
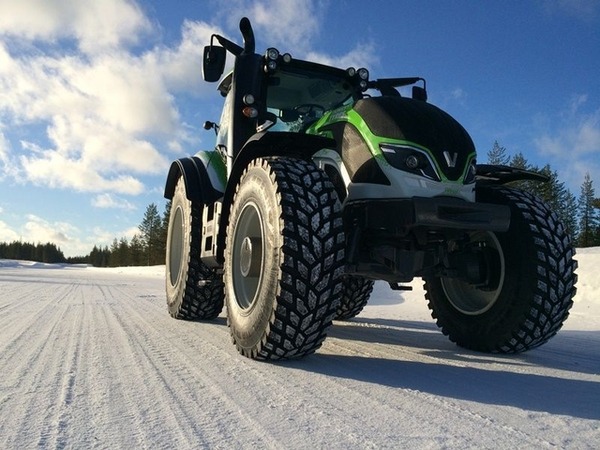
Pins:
x: 572, y: 351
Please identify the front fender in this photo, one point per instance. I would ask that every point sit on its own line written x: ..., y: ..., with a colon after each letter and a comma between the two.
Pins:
x: 281, y: 143
x: 272, y: 143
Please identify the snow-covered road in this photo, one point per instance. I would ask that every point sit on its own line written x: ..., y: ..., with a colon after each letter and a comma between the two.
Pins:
x: 89, y: 358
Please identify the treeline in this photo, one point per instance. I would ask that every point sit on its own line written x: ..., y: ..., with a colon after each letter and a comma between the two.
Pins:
x: 46, y: 253
x: 146, y: 248
x: 581, y: 214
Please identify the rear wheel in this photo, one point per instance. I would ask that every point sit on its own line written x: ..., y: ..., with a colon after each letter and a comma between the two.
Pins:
x: 283, y: 259
x: 355, y: 296
x: 194, y: 291
x: 533, y: 281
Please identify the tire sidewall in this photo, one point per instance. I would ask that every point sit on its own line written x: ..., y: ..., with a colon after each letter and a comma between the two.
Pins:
x: 181, y: 206
x: 251, y: 325
x: 502, y: 319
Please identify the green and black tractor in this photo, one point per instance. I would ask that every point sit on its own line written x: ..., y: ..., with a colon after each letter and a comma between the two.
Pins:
x: 322, y: 181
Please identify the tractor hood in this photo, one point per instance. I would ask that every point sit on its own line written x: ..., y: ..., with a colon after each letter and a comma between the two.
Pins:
x: 419, y: 123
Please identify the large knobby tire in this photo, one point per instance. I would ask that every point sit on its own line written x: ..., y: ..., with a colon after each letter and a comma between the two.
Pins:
x: 284, y: 259
x: 534, y: 287
x: 194, y: 291
x: 355, y: 295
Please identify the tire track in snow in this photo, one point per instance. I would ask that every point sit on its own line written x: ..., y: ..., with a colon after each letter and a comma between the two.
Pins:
x: 96, y: 362
x: 305, y: 414
x: 35, y: 357
x: 354, y: 399
x: 174, y: 364
x: 57, y: 429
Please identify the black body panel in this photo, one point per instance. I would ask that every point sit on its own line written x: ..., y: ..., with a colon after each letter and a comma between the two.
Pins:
x: 422, y: 124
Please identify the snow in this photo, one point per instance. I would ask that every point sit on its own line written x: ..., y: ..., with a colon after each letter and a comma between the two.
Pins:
x: 90, y: 359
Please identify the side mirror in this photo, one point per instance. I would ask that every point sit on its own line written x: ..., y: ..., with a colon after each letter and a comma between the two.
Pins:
x: 213, y: 63
x: 419, y: 93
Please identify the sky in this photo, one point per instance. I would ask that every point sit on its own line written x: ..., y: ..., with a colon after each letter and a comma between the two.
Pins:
x: 98, y: 97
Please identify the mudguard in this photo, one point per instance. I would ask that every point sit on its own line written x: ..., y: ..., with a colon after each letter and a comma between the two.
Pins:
x: 497, y: 174
x: 203, y: 174
x: 273, y: 143
x: 281, y: 143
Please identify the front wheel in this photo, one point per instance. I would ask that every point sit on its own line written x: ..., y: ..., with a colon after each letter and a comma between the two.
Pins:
x: 533, y: 273
x: 283, y: 259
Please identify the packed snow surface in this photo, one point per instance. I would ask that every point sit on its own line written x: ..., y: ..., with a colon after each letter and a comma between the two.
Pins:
x: 89, y: 358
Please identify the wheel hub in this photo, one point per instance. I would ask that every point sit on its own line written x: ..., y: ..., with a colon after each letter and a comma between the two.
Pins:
x: 250, y: 257
x: 247, y: 255
x: 472, y: 299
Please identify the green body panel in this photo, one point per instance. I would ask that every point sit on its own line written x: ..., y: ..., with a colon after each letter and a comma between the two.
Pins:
x: 214, y: 164
x: 402, y: 184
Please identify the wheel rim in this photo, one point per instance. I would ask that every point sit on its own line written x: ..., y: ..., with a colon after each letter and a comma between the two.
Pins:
x: 247, y: 256
x: 469, y: 299
x: 176, y: 246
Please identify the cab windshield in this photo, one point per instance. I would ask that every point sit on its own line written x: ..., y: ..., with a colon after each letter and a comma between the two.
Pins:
x: 299, y: 96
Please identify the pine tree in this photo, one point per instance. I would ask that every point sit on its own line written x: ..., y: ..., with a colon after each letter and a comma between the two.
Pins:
x: 165, y: 220
x: 497, y: 155
x: 114, y: 255
x: 520, y: 162
x: 124, y: 254
x: 95, y: 257
x: 151, y: 232
x: 569, y: 216
x: 136, y: 250
x: 162, y: 243
x: 588, y: 214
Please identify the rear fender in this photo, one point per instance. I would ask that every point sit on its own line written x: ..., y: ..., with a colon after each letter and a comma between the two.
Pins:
x: 203, y: 174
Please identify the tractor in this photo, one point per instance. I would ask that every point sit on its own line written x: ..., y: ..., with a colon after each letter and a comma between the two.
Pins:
x: 323, y: 181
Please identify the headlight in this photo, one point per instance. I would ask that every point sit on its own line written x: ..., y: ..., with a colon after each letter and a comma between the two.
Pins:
x: 271, y: 57
x: 363, y: 73
x: 410, y: 159
x: 272, y: 53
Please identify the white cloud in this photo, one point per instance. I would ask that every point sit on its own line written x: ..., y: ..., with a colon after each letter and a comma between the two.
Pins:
x: 278, y: 22
x: 181, y: 67
x: 457, y: 94
x: 573, y: 145
x: 363, y: 55
x: 7, y: 234
x: 37, y: 230
x: 102, y: 111
x: 110, y: 201
x: 295, y: 24
x: 50, y: 168
x: 584, y: 10
x: 4, y: 151
x: 96, y: 26
x: 577, y: 136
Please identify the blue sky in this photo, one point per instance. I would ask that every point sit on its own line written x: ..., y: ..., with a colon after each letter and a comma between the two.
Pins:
x: 96, y: 98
